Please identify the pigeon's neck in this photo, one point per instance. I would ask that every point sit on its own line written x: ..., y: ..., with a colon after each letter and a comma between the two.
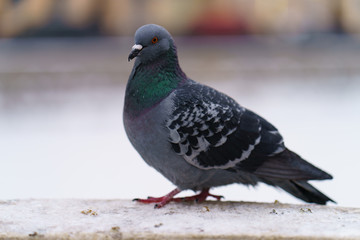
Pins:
x: 152, y: 82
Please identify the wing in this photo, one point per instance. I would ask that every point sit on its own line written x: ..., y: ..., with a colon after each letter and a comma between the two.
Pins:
x: 211, y: 131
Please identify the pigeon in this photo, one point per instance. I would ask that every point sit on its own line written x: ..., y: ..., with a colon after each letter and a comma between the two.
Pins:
x: 200, y: 138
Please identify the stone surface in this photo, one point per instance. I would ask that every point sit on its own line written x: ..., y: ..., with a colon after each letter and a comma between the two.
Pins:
x: 124, y: 219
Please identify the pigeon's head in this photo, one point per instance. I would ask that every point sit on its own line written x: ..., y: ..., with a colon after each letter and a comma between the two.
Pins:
x: 151, y: 41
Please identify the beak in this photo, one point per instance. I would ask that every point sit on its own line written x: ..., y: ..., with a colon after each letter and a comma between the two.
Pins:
x: 135, y: 51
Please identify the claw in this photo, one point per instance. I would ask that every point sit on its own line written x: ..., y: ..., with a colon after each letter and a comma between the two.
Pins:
x: 217, y: 197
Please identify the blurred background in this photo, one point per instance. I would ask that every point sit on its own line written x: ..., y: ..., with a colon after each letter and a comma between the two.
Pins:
x: 63, y: 72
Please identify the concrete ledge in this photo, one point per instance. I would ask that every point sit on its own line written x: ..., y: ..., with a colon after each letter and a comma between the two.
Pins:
x: 124, y: 219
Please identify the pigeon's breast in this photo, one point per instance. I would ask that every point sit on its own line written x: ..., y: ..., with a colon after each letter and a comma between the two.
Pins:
x: 150, y: 137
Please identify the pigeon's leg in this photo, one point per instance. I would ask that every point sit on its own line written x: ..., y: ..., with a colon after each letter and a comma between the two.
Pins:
x: 161, y: 201
x: 201, y: 197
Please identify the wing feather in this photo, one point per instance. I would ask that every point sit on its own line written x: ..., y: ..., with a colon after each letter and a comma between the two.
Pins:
x: 211, y: 131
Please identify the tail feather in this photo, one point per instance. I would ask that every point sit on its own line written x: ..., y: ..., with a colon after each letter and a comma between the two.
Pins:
x: 290, y: 166
x: 305, y: 191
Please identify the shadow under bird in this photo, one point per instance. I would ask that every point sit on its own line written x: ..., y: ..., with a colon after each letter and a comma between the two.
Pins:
x: 200, y: 138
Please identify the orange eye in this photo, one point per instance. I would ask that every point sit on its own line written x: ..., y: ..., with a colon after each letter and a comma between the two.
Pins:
x: 154, y: 40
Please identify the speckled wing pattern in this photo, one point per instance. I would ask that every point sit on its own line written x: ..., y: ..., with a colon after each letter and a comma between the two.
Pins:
x: 211, y: 131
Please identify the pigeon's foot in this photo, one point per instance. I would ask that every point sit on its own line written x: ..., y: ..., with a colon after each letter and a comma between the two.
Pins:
x: 199, y: 198
x: 162, y: 201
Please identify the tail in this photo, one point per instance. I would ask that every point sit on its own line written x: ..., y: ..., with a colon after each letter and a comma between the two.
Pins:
x: 290, y: 172
x: 303, y: 190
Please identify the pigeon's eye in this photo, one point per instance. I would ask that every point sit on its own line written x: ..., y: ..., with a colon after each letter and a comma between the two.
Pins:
x: 154, y: 40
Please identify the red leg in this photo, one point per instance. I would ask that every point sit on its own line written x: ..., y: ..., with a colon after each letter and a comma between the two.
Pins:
x: 162, y: 201
x: 201, y: 197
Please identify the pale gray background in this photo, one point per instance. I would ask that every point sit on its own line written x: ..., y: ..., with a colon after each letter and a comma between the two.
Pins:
x: 61, y: 101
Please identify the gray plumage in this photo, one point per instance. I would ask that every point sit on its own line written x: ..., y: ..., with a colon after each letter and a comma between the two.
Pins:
x: 199, y: 138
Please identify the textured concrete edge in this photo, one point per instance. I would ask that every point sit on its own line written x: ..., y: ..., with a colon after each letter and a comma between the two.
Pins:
x: 114, y: 229
x: 116, y: 234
